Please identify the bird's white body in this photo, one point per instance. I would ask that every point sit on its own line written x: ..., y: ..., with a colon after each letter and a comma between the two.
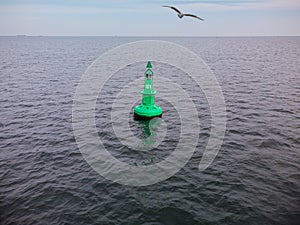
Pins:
x: 180, y: 15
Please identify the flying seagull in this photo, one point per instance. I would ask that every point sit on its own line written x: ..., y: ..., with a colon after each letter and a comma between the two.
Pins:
x: 180, y: 14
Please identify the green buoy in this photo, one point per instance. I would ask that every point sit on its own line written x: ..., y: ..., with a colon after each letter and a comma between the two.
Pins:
x: 148, y: 109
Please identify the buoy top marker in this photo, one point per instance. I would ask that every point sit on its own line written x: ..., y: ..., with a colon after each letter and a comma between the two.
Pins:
x: 149, y: 66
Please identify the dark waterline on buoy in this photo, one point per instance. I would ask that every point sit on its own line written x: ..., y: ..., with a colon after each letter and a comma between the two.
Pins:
x: 138, y: 117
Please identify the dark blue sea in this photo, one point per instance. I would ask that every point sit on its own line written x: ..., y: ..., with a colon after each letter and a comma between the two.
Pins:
x: 255, y: 178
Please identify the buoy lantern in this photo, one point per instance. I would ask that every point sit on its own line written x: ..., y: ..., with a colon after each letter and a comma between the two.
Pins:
x: 148, y: 109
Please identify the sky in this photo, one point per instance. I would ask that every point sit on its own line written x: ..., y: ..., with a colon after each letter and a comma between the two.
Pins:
x: 149, y: 18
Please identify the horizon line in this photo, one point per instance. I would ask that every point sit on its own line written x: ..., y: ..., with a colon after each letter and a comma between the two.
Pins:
x: 211, y: 36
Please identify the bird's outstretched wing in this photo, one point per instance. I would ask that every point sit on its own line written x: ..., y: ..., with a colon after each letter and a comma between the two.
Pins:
x: 191, y: 15
x: 172, y: 7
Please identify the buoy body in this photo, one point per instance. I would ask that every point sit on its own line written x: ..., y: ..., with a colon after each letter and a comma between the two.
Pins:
x: 148, y: 109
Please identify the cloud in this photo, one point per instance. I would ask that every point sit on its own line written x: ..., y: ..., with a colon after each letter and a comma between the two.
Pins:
x: 275, y: 4
x: 138, y: 6
x: 240, y: 5
x: 55, y: 9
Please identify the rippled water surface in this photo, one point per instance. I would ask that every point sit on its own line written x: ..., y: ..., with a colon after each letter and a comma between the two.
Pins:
x: 255, y: 178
